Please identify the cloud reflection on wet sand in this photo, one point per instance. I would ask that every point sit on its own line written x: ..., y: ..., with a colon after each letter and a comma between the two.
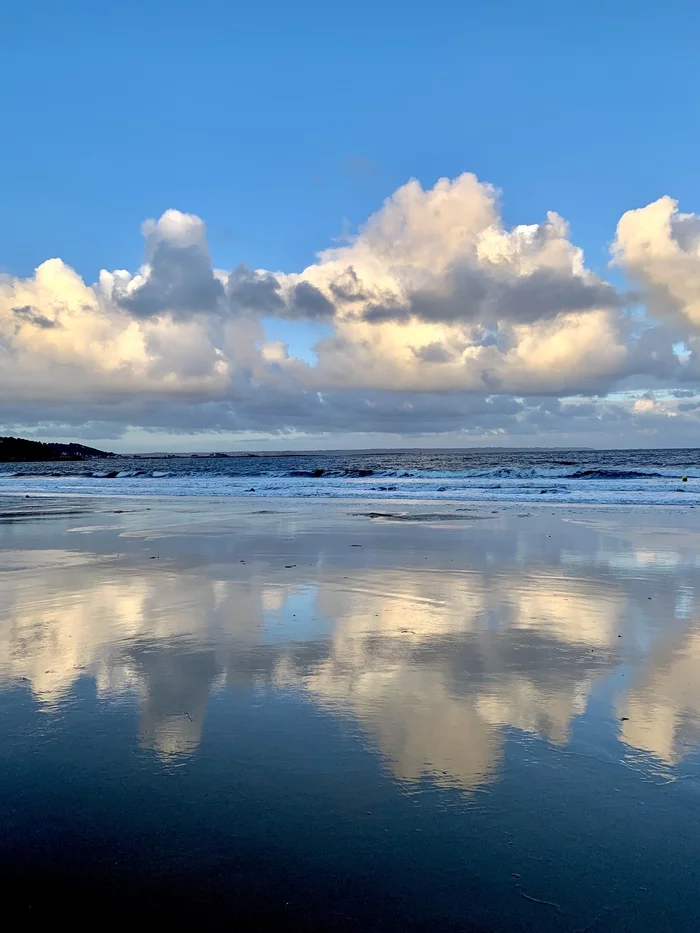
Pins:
x: 432, y: 660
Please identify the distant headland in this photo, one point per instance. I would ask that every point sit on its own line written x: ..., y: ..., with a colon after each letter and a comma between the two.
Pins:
x: 17, y: 449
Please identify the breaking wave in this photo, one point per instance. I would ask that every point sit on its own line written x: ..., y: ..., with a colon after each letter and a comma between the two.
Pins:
x: 608, y: 477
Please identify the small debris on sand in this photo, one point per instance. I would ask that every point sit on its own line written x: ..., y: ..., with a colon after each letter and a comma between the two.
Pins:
x: 536, y: 900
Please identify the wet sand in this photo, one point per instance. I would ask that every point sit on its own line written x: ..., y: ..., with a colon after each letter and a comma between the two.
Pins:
x: 342, y: 715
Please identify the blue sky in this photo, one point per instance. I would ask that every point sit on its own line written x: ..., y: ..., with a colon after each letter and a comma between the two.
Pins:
x: 284, y: 126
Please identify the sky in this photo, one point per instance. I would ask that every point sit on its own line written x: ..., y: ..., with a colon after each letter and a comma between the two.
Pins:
x: 232, y: 226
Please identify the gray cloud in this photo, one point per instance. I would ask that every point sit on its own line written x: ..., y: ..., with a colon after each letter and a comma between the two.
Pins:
x: 433, y: 353
x: 446, y: 418
x: 32, y: 316
x: 261, y: 293
x: 347, y: 287
x: 278, y: 411
x: 469, y: 294
x: 181, y: 281
x: 308, y: 302
x: 462, y: 296
x: 685, y: 230
x: 391, y: 309
x: 258, y: 292
x: 544, y: 295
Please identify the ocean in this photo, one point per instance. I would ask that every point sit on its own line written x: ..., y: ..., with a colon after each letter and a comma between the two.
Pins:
x: 578, y: 477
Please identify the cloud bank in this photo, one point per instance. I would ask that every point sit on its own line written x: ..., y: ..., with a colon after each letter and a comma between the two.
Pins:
x: 440, y: 320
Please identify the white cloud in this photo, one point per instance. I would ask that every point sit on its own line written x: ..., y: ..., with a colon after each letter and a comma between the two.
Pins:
x: 442, y: 319
x: 660, y: 248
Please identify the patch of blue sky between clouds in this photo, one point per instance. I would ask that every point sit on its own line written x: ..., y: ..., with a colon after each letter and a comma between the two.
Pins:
x: 300, y: 336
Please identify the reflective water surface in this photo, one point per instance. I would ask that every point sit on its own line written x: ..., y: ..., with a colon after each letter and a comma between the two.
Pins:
x: 328, y: 720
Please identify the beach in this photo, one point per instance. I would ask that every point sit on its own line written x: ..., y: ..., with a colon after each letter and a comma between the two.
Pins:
x: 351, y: 715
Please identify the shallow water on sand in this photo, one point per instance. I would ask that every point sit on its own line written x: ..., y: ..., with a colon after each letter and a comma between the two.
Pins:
x: 300, y: 716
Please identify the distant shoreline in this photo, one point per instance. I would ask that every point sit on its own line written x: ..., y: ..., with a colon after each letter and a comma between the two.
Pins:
x: 22, y: 450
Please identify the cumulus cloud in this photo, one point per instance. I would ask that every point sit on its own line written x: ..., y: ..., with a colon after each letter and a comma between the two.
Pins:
x: 177, y: 276
x: 439, y: 318
x: 660, y: 248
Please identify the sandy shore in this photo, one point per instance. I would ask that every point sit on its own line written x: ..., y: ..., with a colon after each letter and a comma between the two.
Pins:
x: 442, y: 642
